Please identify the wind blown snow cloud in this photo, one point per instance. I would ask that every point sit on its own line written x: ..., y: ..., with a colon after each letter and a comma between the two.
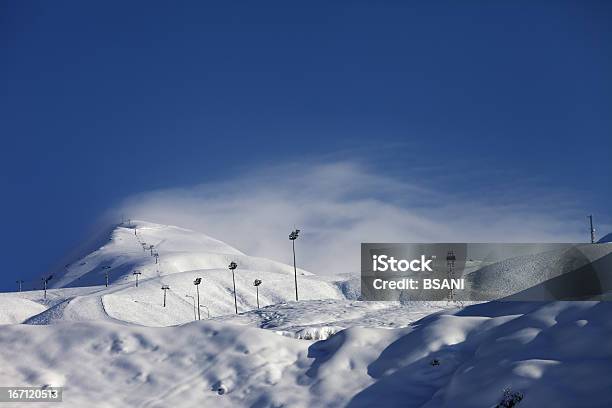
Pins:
x: 338, y: 206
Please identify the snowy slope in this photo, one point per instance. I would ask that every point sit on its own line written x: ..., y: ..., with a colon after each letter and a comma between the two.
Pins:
x: 15, y: 309
x: 94, y: 341
x: 319, y: 319
x: 144, y: 304
x: 183, y: 256
x: 553, y: 354
x: 580, y: 268
x: 179, y: 250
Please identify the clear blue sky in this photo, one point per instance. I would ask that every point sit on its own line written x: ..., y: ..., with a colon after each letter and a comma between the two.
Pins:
x: 98, y: 101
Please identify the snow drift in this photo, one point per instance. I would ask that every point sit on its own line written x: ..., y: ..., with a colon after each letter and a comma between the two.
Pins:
x: 553, y: 354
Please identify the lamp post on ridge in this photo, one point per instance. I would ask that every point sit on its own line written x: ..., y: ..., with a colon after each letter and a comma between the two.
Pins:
x: 293, y: 236
x: 197, y: 282
x: 231, y: 267
x: 256, y: 284
x: 207, y: 311
x: 19, y: 282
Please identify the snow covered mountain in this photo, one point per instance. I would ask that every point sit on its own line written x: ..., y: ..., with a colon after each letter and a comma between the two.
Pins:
x: 328, y: 350
x: 127, y: 248
x: 177, y: 258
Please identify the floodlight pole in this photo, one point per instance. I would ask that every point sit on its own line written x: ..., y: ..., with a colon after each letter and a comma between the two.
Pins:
x: 256, y: 283
x: 294, y: 270
x: 233, y: 266
x: 235, y: 299
x: 19, y: 282
x: 198, y: 301
x: 592, y: 229
x: 197, y: 282
x: 293, y: 236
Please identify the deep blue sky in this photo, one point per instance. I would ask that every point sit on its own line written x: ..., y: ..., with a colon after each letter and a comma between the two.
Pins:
x: 98, y: 101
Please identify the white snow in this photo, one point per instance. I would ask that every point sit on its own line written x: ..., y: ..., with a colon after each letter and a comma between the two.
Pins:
x: 545, y: 351
x: 179, y: 250
x: 15, y: 309
x: 328, y: 350
x: 183, y: 256
x: 319, y: 319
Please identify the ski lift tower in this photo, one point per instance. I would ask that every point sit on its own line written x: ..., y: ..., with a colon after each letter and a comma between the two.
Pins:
x: 45, y: 281
x: 165, y: 288
x: 106, y: 269
x: 450, y: 263
x: 136, y: 274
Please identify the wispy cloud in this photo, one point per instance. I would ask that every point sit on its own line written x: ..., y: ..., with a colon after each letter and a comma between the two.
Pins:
x: 340, y: 205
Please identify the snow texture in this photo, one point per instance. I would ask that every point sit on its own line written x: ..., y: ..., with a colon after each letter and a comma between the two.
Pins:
x: 555, y: 354
x: 118, y: 346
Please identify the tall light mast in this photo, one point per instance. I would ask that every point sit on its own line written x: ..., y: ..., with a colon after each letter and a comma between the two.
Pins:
x: 231, y: 267
x: 197, y: 282
x: 293, y: 236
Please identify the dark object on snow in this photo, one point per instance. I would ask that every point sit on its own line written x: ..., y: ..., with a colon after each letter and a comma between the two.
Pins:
x: 435, y: 362
x: 510, y: 399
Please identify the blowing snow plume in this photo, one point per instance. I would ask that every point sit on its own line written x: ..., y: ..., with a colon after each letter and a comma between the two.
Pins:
x: 340, y: 205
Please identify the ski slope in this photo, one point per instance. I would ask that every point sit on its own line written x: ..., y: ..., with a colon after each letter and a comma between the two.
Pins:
x: 16, y: 309
x: 126, y: 248
x: 119, y: 346
x: 184, y: 255
x: 320, y: 319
